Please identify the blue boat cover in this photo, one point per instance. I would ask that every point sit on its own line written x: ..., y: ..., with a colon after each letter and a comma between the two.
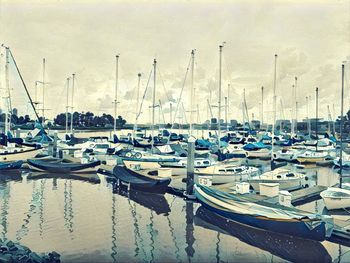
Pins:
x: 256, y: 146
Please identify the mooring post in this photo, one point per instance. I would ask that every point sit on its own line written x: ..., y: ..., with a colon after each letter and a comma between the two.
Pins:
x: 18, y: 133
x: 190, y: 168
x: 54, y: 148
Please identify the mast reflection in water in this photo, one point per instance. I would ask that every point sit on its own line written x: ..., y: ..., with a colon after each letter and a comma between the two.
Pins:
x: 85, y: 219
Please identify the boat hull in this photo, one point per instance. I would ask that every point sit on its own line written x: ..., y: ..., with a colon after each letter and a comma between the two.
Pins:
x: 310, y: 160
x: 43, y: 166
x: 130, y: 179
x: 336, y: 203
x: 291, y: 228
x: 19, y: 156
x: 258, y: 154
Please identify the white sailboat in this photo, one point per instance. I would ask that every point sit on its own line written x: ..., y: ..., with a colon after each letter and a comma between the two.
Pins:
x: 338, y: 198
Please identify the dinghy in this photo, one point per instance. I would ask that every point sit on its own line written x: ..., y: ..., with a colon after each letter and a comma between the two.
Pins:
x: 262, y: 215
x: 56, y: 165
x: 336, y: 198
x: 287, y: 180
x: 139, y: 181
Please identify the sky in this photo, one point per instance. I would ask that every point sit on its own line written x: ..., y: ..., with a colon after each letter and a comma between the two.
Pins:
x: 311, y: 39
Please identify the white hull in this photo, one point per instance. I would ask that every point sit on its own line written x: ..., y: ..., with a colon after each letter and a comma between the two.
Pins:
x: 25, y: 155
x: 336, y: 203
x: 143, y: 165
x: 262, y: 154
x: 336, y: 198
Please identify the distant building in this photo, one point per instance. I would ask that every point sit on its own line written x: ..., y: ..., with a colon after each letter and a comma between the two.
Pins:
x: 283, y: 125
x: 255, y: 124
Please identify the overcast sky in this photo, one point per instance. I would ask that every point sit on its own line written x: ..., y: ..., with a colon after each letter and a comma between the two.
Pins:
x: 311, y: 38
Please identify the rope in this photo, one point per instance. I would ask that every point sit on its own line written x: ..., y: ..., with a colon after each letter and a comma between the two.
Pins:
x: 179, y: 101
x: 144, y: 94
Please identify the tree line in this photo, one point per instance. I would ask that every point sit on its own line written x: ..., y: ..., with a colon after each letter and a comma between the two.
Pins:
x: 89, y: 119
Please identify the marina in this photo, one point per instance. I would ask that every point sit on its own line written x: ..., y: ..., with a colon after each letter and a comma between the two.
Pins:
x: 176, y: 131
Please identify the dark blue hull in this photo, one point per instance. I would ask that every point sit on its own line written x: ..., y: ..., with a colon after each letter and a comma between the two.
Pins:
x: 294, y: 228
x: 11, y: 165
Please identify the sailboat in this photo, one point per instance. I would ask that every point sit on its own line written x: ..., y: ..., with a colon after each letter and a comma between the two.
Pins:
x: 15, y: 151
x: 338, y: 198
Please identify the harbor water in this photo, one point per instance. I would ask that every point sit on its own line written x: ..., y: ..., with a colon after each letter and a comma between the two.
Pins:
x: 85, y: 219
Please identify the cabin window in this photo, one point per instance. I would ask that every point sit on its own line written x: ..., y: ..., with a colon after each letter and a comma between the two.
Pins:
x: 206, y: 162
x: 238, y: 170
x: 222, y: 170
x: 279, y: 177
x: 290, y: 175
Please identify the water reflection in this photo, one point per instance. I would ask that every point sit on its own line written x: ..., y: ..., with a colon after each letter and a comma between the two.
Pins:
x: 154, y: 202
x: 189, y: 230
x: 90, y: 222
x: 289, y: 248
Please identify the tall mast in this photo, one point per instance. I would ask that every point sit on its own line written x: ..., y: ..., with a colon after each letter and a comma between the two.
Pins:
x: 67, y: 105
x: 43, y: 83
x: 274, y: 107
x: 192, y: 92
x: 307, y: 115
x: 296, y: 105
x: 226, y: 113
x: 341, y: 126
x: 228, y: 104
x: 274, y: 91
x: 316, y: 117
x: 116, y: 94
x: 296, y: 117
x: 7, y: 83
x: 153, y: 99
x: 171, y: 113
x: 219, y: 113
x: 293, y: 112
x: 137, y: 103
x: 72, y: 103
x: 262, y: 105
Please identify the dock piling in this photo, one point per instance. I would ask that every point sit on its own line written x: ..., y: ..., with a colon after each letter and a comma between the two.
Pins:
x: 54, y: 147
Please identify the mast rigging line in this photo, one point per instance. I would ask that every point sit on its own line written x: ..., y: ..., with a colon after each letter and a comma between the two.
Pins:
x: 183, y: 86
x: 25, y: 87
x: 144, y: 94
x: 165, y: 90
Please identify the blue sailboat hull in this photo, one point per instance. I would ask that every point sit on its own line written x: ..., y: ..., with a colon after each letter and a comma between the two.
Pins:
x: 292, y: 228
